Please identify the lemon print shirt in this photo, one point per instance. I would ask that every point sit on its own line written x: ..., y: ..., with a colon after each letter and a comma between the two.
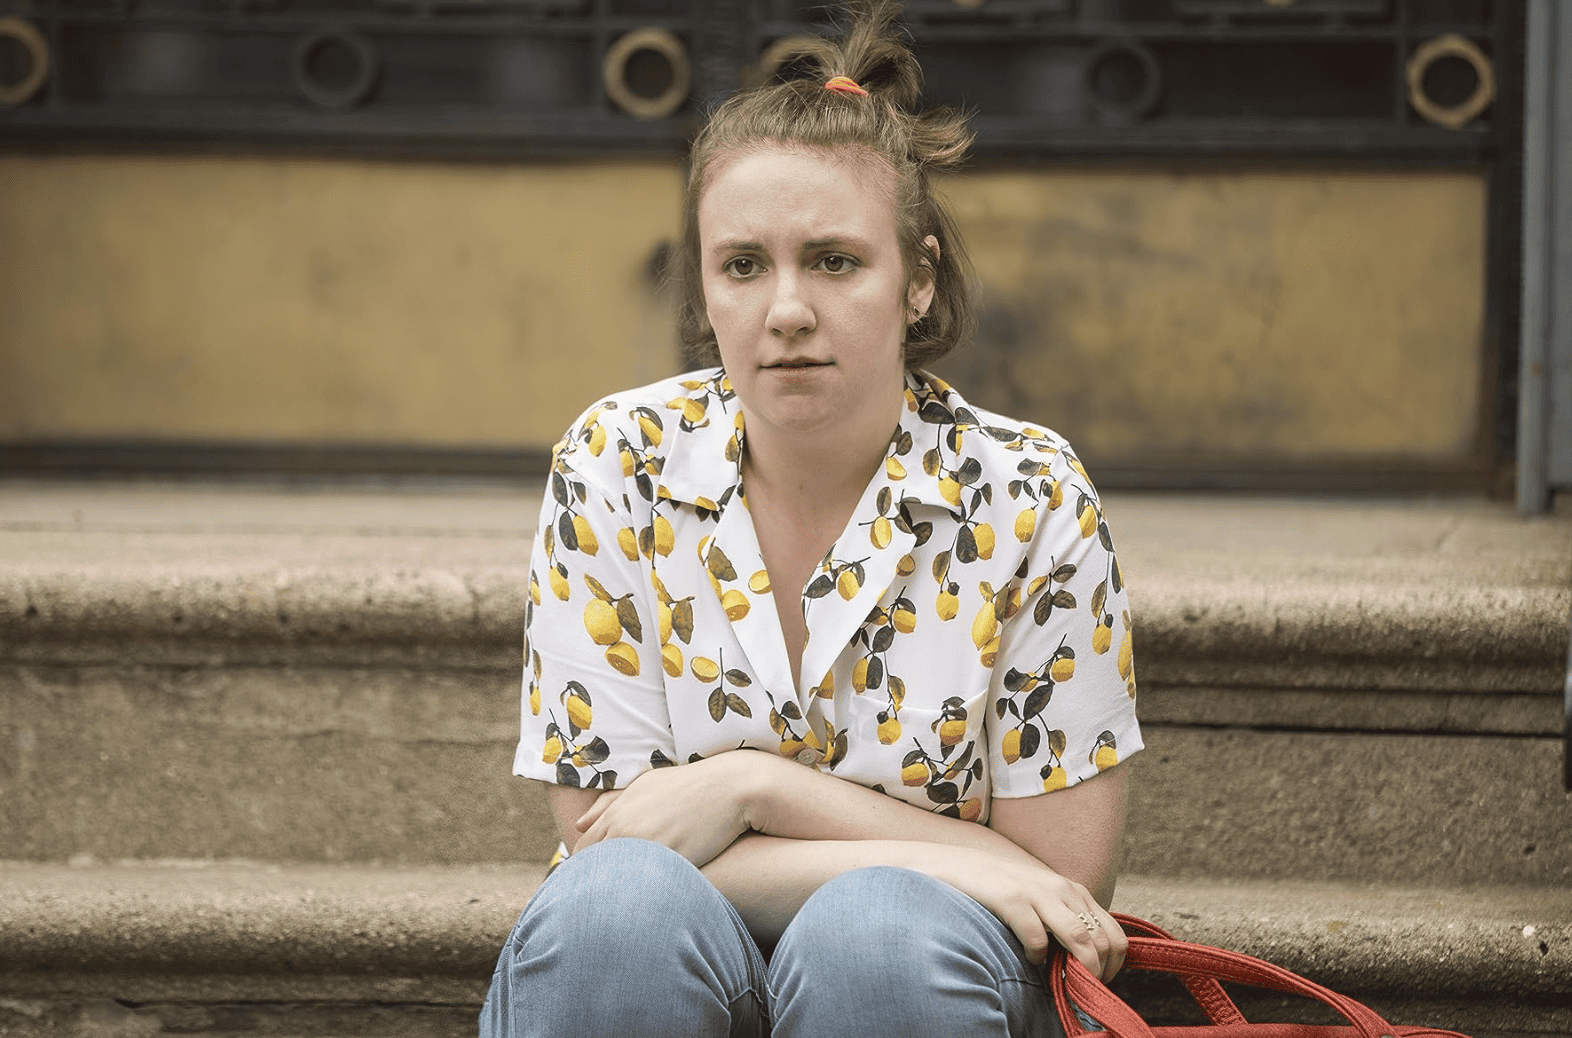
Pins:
x: 968, y: 634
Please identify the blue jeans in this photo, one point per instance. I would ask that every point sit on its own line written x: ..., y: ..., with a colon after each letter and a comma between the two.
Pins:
x: 629, y: 938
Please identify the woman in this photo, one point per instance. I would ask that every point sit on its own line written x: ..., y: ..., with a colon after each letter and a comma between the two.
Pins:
x: 828, y: 672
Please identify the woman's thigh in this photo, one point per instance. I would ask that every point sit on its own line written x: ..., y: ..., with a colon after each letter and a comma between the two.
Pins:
x: 627, y: 937
x: 885, y: 951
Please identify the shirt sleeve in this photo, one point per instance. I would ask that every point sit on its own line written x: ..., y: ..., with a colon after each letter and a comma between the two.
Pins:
x: 1062, y: 695
x: 594, y: 711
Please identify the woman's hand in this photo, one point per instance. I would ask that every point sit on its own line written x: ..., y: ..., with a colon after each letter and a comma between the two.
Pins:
x: 695, y: 809
x: 1035, y: 902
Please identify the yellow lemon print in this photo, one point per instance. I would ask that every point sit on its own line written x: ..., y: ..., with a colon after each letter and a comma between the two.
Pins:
x: 904, y: 620
x: 881, y: 533
x: 597, y: 440
x: 736, y: 604
x: 553, y: 750
x: 587, y: 542
x: 947, y: 605
x: 759, y: 583
x: 1102, y: 638
x: 971, y: 809
x: 1054, y: 778
x: 693, y: 411
x: 984, y: 536
x: 989, y: 654
x: 1011, y: 746
x: 665, y: 536
x: 1106, y: 753
x: 704, y: 668
x: 628, y: 541
x: 579, y: 711
x: 1025, y: 525
x: 1087, y: 517
x: 889, y: 730
x: 952, y: 731
x: 906, y: 565
x: 671, y: 660
x: 559, y: 583
x: 623, y: 657
x: 984, y: 626
x: 847, y: 585
x: 894, y: 469
x: 1126, y: 656
x: 950, y: 490
x: 915, y: 774
x: 651, y: 430
x: 860, y: 675
x: 629, y: 465
x: 1062, y: 668
x: 1055, y: 496
x: 600, y: 620
x: 791, y: 747
x: 534, y: 588
x: 534, y: 699
x: 663, y: 621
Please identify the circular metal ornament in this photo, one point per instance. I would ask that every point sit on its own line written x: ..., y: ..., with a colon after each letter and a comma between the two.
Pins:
x: 32, y: 41
x: 1151, y: 81
x: 1453, y: 117
x: 321, y: 94
x: 614, y: 70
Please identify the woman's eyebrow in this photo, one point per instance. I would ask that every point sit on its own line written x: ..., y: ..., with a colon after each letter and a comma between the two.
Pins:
x: 737, y: 246
x: 838, y: 241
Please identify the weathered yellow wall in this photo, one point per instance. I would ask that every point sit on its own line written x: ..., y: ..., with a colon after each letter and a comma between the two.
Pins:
x: 1238, y: 315
x: 1249, y: 314
x: 299, y: 301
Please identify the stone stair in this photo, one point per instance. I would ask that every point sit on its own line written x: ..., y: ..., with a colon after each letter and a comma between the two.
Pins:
x: 255, y: 745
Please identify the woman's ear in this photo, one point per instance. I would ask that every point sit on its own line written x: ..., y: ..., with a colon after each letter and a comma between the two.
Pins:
x: 919, y: 292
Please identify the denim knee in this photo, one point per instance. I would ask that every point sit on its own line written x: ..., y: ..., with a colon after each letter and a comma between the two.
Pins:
x: 619, y: 892
x: 626, y: 930
x: 886, y: 950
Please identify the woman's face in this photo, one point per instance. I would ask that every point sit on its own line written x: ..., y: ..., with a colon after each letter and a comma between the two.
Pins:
x: 805, y: 288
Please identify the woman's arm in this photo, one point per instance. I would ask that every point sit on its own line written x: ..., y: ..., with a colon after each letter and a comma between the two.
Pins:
x: 799, y: 828
x: 1077, y: 832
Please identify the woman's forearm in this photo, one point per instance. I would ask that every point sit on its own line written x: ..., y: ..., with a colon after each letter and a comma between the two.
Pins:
x: 783, y: 798
x: 768, y: 878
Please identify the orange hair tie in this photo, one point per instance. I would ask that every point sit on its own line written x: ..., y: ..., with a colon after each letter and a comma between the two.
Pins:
x: 845, y: 85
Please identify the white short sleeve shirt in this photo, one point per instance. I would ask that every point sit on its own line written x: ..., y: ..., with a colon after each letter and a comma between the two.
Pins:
x: 968, y: 633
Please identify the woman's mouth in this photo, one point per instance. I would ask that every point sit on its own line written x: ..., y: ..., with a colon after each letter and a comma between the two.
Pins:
x: 796, y: 364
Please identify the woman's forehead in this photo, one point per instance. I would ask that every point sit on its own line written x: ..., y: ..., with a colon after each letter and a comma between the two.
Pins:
x: 778, y: 186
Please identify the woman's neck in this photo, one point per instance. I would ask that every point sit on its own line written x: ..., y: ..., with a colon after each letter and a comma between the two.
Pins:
x: 811, y: 480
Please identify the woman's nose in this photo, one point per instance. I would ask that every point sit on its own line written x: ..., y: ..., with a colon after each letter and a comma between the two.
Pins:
x: 790, y: 313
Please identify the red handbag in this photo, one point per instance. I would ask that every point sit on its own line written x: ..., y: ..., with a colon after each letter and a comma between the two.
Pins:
x: 1201, y: 968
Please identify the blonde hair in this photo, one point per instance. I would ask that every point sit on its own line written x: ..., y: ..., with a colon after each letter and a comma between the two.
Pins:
x: 800, y: 112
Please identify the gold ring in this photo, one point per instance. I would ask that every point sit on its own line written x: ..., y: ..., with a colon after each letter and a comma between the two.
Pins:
x: 32, y: 41
x: 1087, y: 921
x: 1453, y: 117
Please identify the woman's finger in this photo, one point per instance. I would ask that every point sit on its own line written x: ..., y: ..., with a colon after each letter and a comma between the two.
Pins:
x: 1027, y: 925
x: 1118, y: 943
x: 598, y: 808
x: 1077, y: 931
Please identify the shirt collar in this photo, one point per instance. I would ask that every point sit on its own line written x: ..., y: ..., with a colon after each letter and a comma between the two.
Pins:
x: 703, y: 465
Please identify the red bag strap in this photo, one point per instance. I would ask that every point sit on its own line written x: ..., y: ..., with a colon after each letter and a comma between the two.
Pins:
x: 1071, y: 980
x: 1206, y: 991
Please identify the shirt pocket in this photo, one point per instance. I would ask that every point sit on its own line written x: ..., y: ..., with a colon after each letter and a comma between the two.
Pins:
x: 933, y: 757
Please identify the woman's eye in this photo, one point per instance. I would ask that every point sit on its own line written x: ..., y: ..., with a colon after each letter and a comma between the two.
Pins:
x: 836, y: 264
x: 741, y: 267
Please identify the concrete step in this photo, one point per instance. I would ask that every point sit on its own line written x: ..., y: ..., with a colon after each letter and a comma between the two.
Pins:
x: 141, y: 949
x: 1356, y: 691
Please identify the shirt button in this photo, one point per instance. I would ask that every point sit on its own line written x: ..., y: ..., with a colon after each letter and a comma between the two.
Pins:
x: 808, y: 757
